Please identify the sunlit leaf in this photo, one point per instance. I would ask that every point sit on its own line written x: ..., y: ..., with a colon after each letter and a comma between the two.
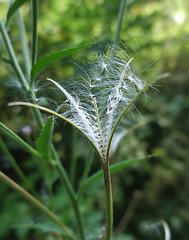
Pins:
x: 44, y: 62
x: 14, y: 7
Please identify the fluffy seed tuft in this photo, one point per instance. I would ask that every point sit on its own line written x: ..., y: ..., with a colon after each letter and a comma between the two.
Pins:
x: 96, y: 104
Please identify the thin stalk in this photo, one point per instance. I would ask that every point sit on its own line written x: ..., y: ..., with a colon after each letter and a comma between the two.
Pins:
x: 85, y: 173
x: 71, y: 193
x: 36, y: 112
x: 119, y: 21
x: 36, y: 203
x: 108, y: 202
x: 13, y: 58
x: 73, y: 198
x: 73, y: 156
x: 24, y: 43
x: 35, y: 10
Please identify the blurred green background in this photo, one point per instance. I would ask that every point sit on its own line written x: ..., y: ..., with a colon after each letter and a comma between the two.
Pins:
x: 156, y: 34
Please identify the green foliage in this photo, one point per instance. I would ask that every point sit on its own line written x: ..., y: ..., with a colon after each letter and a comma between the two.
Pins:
x: 156, y: 34
x: 47, y: 60
x: 16, y: 4
x: 44, y: 141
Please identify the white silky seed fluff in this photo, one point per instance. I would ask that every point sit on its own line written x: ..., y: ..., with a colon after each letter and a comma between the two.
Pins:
x: 98, y: 101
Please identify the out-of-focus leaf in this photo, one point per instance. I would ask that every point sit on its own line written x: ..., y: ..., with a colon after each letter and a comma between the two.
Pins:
x: 44, y: 62
x: 6, y: 60
x: 45, y: 138
x: 10, y: 134
x: 14, y: 7
x: 115, y: 167
x: 44, y: 227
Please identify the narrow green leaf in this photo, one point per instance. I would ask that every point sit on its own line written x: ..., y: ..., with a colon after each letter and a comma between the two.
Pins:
x: 44, y: 62
x: 115, y: 167
x: 45, y: 139
x: 7, y: 132
x: 14, y: 7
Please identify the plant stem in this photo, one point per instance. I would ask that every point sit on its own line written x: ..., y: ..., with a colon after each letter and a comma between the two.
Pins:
x: 108, y: 201
x: 35, y: 9
x: 13, y: 58
x: 35, y: 202
x: 119, y: 21
x: 73, y: 156
x: 28, y: 91
x: 24, y: 43
x: 73, y: 198
x: 85, y: 173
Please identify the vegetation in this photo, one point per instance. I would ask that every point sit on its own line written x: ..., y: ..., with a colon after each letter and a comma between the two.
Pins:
x: 110, y: 53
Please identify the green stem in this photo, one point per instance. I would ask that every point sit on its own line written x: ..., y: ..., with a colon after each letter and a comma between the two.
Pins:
x: 73, y: 156
x: 108, y: 201
x: 13, y: 58
x: 36, y: 203
x: 119, y: 21
x: 71, y: 193
x: 35, y: 9
x: 73, y: 198
x: 28, y: 91
x: 24, y: 43
x: 36, y: 112
x: 85, y: 173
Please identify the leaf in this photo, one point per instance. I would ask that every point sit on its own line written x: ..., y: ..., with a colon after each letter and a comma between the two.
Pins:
x: 44, y: 62
x: 7, y: 132
x: 44, y: 227
x: 115, y: 167
x: 45, y: 138
x: 14, y: 7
